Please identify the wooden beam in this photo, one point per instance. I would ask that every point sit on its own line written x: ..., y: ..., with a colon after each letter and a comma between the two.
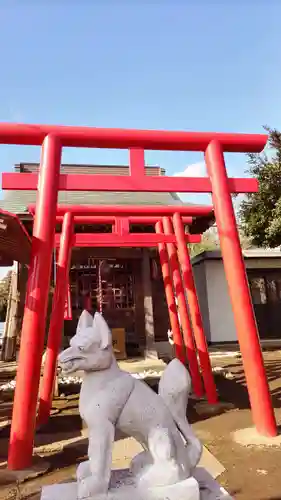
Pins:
x: 148, y: 184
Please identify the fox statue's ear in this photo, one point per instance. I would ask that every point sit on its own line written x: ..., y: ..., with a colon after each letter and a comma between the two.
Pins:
x: 101, y: 328
x: 84, y: 331
x: 85, y: 321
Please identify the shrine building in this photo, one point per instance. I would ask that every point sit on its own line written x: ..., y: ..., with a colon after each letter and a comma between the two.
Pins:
x: 125, y: 284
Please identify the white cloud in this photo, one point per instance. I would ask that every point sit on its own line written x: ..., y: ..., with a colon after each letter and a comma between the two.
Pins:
x: 193, y: 170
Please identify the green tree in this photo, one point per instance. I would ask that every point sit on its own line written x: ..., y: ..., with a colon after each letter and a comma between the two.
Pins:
x: 260, y: 213
x: 208, y: 243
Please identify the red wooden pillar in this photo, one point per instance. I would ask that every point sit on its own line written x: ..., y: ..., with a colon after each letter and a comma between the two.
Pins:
x: 259, y: 394
x: 194, y: 309
x: 33, y: 328
x: 183, y: 312
x: 57, y: 317
x: 170, y: 298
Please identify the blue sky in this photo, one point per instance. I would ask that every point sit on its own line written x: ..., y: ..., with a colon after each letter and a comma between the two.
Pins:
x: 179, y: 64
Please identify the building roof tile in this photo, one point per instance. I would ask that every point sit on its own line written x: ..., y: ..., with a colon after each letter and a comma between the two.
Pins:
x: 18, y: 201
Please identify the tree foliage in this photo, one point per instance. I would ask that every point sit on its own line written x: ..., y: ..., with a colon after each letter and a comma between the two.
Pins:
x: 260, y: 213
x: 208, y: 243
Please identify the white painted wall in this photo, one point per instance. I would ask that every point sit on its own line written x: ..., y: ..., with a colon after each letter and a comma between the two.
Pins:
x: 214, y: 298
x: 222, y: 328
x: 199, y: 273
x: 4, y: 271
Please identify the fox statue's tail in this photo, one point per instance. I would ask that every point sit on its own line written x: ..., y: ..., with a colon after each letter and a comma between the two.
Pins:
x: 174, y: 389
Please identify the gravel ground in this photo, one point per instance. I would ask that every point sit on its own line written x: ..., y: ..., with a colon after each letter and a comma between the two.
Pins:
x: 251, y: 473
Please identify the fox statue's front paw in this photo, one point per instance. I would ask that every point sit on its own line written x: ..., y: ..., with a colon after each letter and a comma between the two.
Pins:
x: 83, y: 470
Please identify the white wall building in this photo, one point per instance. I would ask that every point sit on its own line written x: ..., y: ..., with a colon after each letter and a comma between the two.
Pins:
x: 264, y: 274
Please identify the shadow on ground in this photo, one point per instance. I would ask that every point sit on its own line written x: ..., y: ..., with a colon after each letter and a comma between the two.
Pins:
x: 232, y: 394
x: 6, y: 408
x: 235, y: 390
x: 241, y: 478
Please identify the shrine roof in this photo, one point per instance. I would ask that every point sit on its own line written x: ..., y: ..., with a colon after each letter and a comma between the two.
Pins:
x: 15, y: 243
x: 17, y: 202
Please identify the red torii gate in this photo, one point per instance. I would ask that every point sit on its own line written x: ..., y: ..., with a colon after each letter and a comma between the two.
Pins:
x: 53, y: 139
x: 121, y: 236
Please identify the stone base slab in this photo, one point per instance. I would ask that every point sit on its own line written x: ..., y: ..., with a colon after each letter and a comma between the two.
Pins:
x: 123, y: 487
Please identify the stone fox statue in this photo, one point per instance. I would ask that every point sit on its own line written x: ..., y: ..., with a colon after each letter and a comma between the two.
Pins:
x: 112, y: 400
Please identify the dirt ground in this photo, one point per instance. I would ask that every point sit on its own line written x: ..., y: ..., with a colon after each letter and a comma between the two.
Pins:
x: 251, y: 473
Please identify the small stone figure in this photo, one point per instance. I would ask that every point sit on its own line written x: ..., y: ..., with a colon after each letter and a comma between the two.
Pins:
x: 112, y: 400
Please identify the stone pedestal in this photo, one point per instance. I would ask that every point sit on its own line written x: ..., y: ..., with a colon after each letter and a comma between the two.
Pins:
x: 123, y: 487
